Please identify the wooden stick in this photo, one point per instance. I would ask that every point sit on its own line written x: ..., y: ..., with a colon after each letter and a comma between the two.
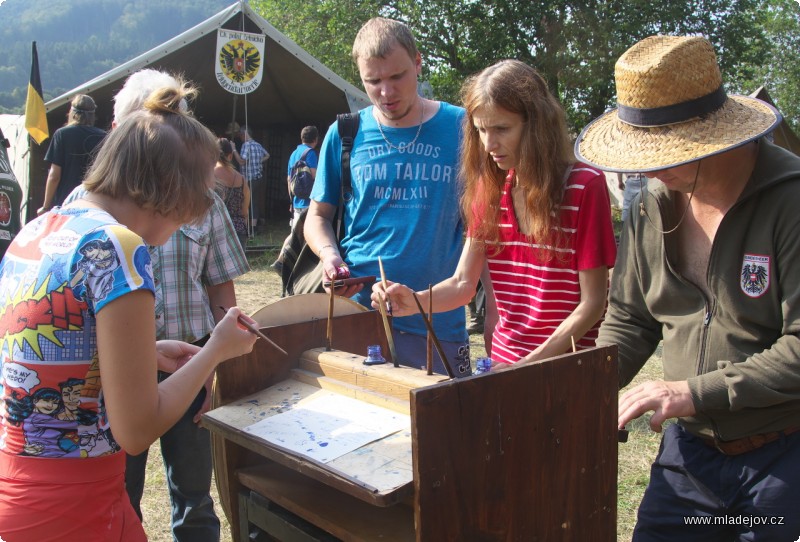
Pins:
x: 387, y: 328
x: 436, y: 342
x: 573, y: 343
x: 383, y: 281
x: 385, y: 311
x: 329, y: 334
x: 429, y: 359
x: 256, y: 331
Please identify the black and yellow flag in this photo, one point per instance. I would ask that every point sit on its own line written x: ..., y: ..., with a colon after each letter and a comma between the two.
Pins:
x: 35, y: 116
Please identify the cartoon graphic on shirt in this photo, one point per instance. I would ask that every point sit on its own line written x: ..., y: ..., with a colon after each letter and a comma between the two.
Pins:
x: 99, y: 261
x: 56, y: 277
x: 91, y: 387
x: 54, y: 424
x: 41, y: 429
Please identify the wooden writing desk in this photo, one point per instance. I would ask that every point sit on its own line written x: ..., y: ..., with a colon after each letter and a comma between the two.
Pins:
x: 528, y: 453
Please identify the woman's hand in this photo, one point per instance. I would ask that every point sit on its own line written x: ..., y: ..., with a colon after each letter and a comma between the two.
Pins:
x: 399, y: 298
x: 172, y: 355
x: 230, y: 339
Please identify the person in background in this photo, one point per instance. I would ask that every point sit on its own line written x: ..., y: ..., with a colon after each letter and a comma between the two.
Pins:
x: 539, y: 219
x: 253, y: 156
x: 234, y: 134
x: 193, y: 272
x: 89, y: 262
x: 404, y: 168
x: 710, y: 268
x: 309, y: 137
x: 70, y: 151
x: 631, y: 185
x: 235, y: 192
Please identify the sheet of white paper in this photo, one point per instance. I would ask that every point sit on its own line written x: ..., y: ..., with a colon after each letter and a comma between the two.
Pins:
x: 329, y: 426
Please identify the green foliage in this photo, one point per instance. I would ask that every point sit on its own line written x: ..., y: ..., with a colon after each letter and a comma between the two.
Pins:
x: 573, y: 43
x: 324, y: 29
x: 780, y: 73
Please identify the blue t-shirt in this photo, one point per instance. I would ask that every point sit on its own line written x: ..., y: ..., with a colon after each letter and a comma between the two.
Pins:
x: 312, y: 161
x: 404, y: 207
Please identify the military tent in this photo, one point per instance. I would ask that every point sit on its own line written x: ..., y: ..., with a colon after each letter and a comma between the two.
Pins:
x: 296, y: 90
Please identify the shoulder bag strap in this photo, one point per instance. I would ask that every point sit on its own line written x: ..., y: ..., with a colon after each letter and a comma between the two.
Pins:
x: 347, y: 124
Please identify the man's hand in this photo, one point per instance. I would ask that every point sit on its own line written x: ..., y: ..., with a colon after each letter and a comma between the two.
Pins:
x: 665, y: 399
x: 333, y: 267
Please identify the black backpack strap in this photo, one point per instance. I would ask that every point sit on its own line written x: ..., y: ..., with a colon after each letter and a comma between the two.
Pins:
x: 302, y: 158
x: 305, y: 154
x: 348, y: 128
x: 347, y: 124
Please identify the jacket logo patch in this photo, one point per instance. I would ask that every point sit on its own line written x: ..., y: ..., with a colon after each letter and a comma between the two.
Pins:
x: 755, y: 275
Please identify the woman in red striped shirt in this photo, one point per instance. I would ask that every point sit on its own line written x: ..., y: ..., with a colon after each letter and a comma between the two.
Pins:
x: 540, y: 220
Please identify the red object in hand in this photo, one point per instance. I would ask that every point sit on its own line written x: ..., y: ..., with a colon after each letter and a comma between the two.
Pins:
x: 343, y: 272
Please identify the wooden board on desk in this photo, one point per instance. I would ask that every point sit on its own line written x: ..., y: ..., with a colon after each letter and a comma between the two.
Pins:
x: 380, y: 472
x: 265, y: 366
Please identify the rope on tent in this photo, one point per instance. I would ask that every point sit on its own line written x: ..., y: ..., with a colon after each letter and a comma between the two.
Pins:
x: 250, y: 220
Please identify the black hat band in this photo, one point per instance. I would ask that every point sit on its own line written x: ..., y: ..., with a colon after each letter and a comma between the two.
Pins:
x: 672, y: 114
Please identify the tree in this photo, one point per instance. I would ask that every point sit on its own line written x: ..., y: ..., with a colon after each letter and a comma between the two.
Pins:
x: 324, y: 29
x: 574, y: 44
x: 781, y: 75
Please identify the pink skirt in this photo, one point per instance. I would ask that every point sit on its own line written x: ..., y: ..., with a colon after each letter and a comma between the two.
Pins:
x: 59, y: 500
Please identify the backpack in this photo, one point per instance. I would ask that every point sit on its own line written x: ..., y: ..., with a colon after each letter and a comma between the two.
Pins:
x: 302, y: 269
x: 301, y: 181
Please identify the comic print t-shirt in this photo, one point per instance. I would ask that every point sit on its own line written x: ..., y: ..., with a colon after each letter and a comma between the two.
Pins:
x: 59, y: 272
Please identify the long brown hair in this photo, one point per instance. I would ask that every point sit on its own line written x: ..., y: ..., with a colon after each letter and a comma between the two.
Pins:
x: 545, y: 153
x: 81, y: 110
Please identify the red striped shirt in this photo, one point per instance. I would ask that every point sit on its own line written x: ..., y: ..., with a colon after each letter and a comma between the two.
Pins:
x: 534, y: 296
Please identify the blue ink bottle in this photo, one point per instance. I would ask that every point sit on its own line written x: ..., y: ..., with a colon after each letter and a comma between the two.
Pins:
x: 482, y: 365
x: 374, y: 355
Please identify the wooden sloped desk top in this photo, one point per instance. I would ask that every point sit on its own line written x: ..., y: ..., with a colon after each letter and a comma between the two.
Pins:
x: 380, y: 472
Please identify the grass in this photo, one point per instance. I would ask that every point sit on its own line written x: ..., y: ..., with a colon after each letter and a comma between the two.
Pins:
x: 261, y: 286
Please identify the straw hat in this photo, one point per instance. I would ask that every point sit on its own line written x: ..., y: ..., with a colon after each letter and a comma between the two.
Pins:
x: 672, y: 109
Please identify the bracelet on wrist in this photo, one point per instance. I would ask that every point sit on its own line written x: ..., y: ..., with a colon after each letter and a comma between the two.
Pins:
x: 319, y: 252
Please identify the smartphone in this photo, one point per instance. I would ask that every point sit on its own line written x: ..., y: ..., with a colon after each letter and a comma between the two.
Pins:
x: 338, y: 283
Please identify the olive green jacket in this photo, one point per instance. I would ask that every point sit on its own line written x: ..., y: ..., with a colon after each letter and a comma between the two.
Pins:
x: 738, y: 348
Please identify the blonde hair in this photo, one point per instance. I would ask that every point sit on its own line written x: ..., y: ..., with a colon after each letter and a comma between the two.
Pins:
x: 545, y: 153
x: 378, y: 36
x: 162, y: 158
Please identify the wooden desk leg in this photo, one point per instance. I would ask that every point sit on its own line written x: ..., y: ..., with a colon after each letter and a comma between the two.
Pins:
x: 244, y: 523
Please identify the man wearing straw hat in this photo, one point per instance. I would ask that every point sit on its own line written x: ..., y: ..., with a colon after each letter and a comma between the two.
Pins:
x: 709, y: 263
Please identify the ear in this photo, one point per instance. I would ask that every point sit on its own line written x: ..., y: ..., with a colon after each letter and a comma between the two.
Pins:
x: 418, y: 64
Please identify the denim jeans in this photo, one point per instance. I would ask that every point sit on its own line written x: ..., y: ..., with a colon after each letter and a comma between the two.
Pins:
x: 633, y: 186
x: 186, y: 450
x: 697, y: 493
